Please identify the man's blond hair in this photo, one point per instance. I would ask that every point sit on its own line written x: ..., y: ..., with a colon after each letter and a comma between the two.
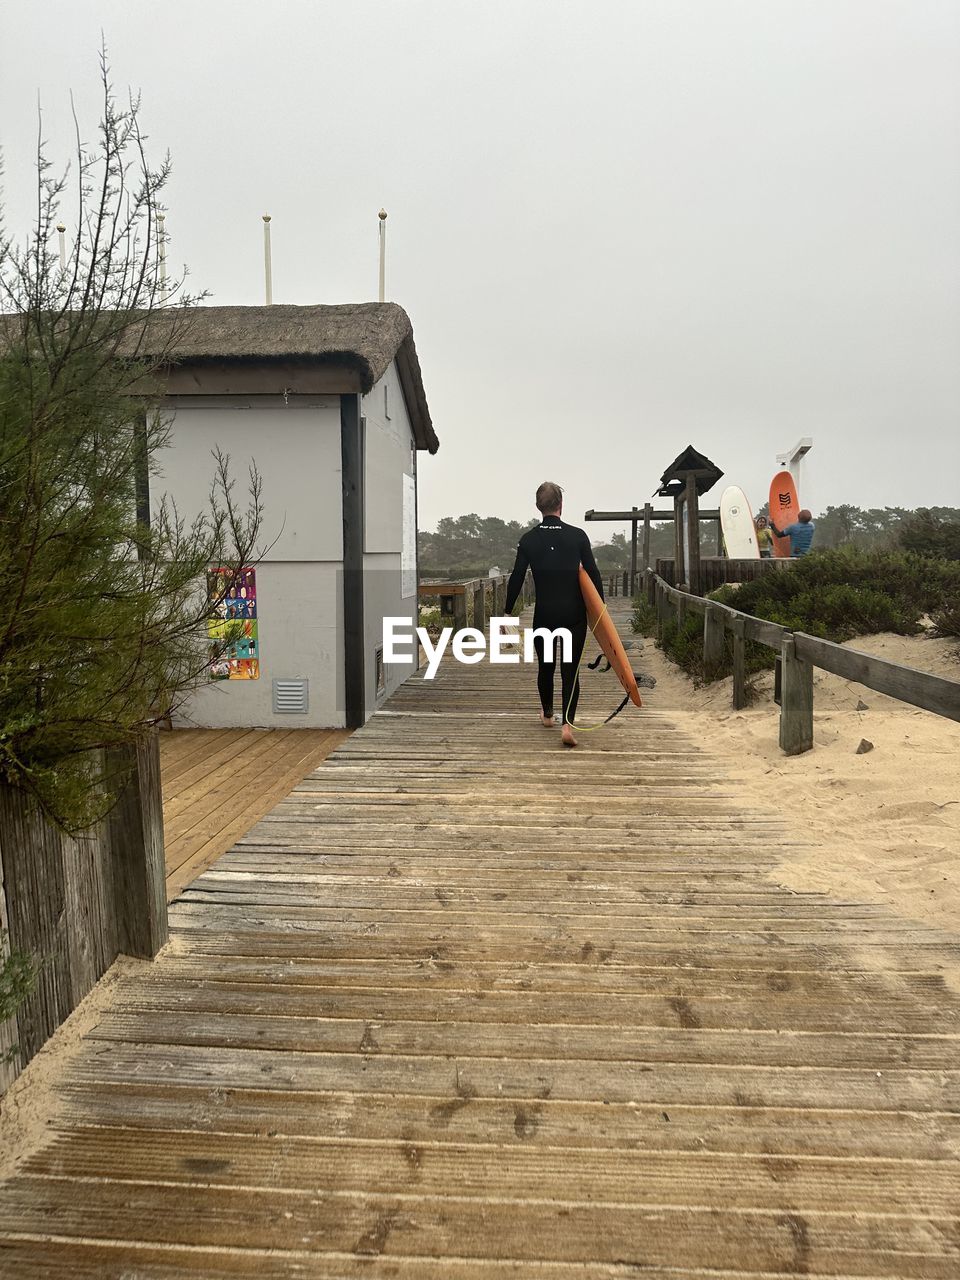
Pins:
x: 549, y: 498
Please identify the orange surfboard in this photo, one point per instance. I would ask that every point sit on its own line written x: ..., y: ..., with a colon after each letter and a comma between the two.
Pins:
x: 784, y: 509
x: 605, y: 634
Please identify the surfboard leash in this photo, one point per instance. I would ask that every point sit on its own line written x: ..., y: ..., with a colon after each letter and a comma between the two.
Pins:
x: 589, y: 728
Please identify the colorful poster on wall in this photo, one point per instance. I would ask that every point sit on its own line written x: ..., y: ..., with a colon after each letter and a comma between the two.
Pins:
x: 235, y: 651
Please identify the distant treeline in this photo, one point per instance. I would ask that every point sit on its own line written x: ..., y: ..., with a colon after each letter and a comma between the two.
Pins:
x: 470, y: 546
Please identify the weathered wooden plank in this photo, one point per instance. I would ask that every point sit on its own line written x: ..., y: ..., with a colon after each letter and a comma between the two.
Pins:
x: 547, y: 1122
x: 918, y: 688
x: 596, y: 950
x: 697, y: 1044
x: 512, y: 1172
x: 796, y: 701
x: 582, y: 900
x: 738, y: 631
x: 921, y: 991
x: 35, y: 895
x: 909, y: 1247
x: 198, y: 909
x: 723, y: 1008
x: 10, y: 1058
x: 124, y: 1260
x: 135, y: 832
x: 454, y: 1076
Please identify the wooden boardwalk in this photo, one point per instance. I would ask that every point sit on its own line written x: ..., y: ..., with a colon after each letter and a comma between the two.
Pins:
x: 218, y: 782
x: 467, y: 1005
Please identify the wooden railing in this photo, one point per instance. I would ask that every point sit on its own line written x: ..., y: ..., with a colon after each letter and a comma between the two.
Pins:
x: 798, y: 654
x: 471, y: 601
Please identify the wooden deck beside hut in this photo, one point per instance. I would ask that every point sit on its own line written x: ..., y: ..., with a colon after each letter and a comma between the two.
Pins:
x: 468, y: 1005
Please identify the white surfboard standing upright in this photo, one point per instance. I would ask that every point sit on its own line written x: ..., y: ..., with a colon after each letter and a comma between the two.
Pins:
x: 736, y: 521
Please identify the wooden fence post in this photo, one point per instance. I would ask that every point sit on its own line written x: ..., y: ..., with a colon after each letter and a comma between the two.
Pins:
x: 135, y: 833
x: 738, y: 627
x: 796, y: 700
x: 647, y: 509
x: 10, y: 1059
x: 712, y: 641
x: 479, y: 606
x: 460, y: 610
x: 661, y: 603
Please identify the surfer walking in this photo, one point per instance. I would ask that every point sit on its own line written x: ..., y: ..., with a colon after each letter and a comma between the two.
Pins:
x: 554, y: 552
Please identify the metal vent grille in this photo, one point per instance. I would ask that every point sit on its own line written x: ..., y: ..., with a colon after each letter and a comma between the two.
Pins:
x: 291, y: 697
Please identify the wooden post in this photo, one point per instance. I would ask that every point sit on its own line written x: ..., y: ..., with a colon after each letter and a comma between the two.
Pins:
x: 693, y: 536
x: 33, y: 869
x: 647, y: 510
x: 626, y: 592
x: 633, y: 552
x: 679, y: 569
x: 135, y: 833
x: 460, y: 610
x: 796, y: 700
x: 712, y: 641
x: 661, y: 602
x: 738, y: 627
x: 479, y: 606
x: 10, y: 1058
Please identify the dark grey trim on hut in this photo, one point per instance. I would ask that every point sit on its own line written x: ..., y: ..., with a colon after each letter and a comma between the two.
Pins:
x: 351, y: 454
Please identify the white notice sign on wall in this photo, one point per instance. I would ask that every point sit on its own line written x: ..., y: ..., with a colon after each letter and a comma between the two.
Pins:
x: 408, y: 556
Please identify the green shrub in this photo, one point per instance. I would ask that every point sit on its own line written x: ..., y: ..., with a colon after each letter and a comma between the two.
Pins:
x: 833, y: 594
x: 929, y: 534
x: 644, y: 617
x: 684, y: 646
x: 848, y: 592
x: 946, y: 621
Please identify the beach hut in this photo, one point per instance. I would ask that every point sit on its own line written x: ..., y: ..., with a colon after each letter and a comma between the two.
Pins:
x: 329, y: 402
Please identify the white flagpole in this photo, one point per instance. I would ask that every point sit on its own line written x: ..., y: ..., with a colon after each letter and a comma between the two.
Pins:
x: 383, y: 254
x: 267, y: 264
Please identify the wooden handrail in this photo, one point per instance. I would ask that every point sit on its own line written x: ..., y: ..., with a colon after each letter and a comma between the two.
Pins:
x: 799, y: 653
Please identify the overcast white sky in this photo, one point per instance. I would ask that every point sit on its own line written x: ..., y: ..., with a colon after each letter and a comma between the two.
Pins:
x: 619, y: 226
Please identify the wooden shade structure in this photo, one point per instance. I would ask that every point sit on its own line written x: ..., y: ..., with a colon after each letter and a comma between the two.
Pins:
x: 688, y: 477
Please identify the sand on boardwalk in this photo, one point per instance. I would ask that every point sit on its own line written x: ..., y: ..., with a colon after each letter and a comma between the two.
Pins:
x: 29, y: 1109
x: 883, y: 826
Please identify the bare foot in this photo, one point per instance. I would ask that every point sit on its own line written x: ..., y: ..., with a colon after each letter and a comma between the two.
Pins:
x: 548, y: 722
x: 568, y: 739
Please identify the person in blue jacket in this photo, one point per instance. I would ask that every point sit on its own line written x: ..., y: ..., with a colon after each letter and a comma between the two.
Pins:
x: 800, y: 534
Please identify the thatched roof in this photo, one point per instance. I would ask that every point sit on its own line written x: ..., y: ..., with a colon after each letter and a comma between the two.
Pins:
x: 673, y: 480
x: 364, y: 336
x: 360, y: 339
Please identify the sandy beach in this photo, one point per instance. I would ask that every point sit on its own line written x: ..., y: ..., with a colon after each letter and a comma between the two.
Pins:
x: 883, y: 825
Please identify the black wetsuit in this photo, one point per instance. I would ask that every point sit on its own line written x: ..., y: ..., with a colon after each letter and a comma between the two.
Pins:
x: 554, y: 551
